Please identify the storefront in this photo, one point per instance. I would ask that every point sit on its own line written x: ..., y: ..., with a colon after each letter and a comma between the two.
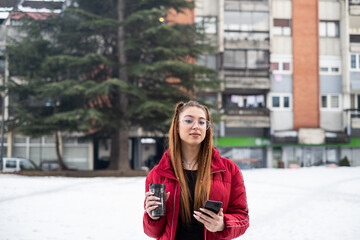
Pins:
x: 260, y: 153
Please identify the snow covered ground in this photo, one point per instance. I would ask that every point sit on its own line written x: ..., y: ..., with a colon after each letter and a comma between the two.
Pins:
x: 308, y: 203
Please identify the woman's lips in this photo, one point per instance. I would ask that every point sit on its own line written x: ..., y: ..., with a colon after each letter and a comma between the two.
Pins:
x: 195, y: 134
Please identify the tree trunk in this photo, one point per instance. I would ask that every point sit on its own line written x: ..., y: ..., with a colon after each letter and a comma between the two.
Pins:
x: 120, y: 139
x: 58, y: 147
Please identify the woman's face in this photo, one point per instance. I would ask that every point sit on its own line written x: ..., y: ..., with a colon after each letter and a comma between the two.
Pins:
x: 192, y: 125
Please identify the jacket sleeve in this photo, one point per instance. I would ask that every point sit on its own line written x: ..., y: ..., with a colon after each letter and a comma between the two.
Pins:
x: 236, y: 218
x: 152, y: 228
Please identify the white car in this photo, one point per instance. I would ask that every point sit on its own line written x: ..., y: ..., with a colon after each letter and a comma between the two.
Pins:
x: 17, y: 164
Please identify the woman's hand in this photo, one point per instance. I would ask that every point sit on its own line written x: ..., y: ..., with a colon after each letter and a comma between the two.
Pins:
x: 215, y: 223
x: 151, y: 203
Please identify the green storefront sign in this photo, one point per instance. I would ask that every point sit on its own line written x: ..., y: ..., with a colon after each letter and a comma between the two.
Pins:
x: 265, y: 142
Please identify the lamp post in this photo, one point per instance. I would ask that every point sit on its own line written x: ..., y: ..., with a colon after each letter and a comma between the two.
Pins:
x: 3, y: 94
x: 2, y: 128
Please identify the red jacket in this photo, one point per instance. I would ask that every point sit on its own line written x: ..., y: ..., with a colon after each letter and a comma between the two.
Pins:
x: 227, y: 186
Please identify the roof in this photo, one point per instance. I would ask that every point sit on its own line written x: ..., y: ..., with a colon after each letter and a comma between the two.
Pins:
x: 43, y: 4
x: 33, y: 15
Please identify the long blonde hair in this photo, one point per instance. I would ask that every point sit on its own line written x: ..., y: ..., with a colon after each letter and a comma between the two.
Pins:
x: 203, y: 181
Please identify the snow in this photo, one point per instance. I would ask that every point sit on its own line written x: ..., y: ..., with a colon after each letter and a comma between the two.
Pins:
x: 297, y: 204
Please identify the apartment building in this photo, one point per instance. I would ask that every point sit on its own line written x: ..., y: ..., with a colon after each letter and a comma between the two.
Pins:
x: 78, y: 153
x: 291, y: 80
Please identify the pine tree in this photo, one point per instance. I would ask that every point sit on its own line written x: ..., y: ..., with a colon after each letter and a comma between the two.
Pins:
x: 103, y: 66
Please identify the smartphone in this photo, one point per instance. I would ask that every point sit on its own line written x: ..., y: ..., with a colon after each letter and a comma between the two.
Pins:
x: 213, y: 206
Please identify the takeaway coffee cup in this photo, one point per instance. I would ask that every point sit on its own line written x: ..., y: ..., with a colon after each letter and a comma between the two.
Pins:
x: 159, y: 191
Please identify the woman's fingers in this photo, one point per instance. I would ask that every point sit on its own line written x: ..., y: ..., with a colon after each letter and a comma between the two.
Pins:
x: 152, y: 202
x: 214, y: 222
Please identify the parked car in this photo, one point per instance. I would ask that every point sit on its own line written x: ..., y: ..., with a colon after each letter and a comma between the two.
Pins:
x: 18, y: 164
x: 49, y: 165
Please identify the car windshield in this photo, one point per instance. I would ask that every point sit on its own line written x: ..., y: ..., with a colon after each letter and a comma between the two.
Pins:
x: 27, y: 165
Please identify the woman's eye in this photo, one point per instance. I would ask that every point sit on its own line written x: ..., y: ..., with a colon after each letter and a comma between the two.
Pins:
x: 201, y: 122
x: 189, y: 121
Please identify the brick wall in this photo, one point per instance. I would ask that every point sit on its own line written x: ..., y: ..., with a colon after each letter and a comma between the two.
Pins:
x: 306, y: 64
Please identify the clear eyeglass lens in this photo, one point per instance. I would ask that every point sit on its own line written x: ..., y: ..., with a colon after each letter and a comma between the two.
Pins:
x: 202, y: 123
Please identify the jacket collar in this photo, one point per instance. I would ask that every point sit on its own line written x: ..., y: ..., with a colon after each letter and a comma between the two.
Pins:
x: 164, y: 167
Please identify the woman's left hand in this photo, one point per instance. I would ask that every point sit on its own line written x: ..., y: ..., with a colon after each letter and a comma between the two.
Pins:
x: 215, y: 223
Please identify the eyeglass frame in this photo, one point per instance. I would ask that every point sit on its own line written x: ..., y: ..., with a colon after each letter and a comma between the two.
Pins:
x: 208, y: 123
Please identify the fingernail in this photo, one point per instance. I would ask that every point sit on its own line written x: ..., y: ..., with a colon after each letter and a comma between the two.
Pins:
x: 201, y: 209
x: 157, y: 198
x: 196, y: 212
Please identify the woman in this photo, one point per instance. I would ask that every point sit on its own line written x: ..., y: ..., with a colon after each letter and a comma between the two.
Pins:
x: 193, y: 172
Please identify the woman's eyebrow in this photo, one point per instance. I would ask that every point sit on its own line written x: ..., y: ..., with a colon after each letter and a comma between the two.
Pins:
x: 194, y: 117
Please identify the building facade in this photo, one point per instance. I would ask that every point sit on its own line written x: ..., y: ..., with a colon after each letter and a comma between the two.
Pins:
x: 290, y: 95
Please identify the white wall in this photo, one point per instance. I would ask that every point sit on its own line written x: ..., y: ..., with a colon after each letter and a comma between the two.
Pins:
x: 281, y: 9
x: 282, y: 120
x: 331, y: 120
x: 329, y: 10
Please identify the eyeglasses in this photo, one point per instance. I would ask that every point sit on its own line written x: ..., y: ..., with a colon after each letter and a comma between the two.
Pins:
x: 202, y: 123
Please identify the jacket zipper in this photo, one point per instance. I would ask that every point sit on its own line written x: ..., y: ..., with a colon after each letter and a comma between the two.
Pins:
x: 172, y: 220
x: 218, y: 171
x: 205, y: 228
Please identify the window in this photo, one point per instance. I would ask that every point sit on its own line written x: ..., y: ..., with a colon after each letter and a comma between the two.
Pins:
x: 206, y: 24
x: 208, y: 98
x: 334, y: 103
x: 282, y: 27
x: 281, y: 67
x: 274, y: 66
x: 281, y: 101
x: 207, y: 60
x: 330, y: 65
x: 330, y: 102
x: 355, y: 101
x: 329, y: 29
x: 355, y: 62
x: 10, y: 164
x: 324, y: 101
x: 286, y: 102
x: 248, y: 101
x: 324, y: 69
x: 247, y: 21
x: 250, y: 59
x: 335, y: 69
x: 355, y: 38
x: 275, y: 102
x: 286, y: 66
x: 235, y: 59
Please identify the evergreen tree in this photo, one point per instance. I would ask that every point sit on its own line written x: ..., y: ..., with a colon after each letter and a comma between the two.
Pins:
x: 103, y: 66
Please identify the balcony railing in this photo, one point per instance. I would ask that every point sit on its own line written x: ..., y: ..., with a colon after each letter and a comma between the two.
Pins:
x: 247, y: 111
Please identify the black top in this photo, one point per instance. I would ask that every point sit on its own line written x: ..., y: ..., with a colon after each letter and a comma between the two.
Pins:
x: 194, y: 230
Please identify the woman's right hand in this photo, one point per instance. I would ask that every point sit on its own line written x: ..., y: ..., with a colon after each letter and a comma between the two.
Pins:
x: 151, y: 203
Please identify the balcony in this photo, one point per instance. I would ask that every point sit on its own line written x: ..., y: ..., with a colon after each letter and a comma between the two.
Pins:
x: 247, y: 111
x: 246, y: 121
x: 246, y: 117
x: 354, y: 116
x: 246, y: 40
x: 247, y: 79
x: 236, y: 5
